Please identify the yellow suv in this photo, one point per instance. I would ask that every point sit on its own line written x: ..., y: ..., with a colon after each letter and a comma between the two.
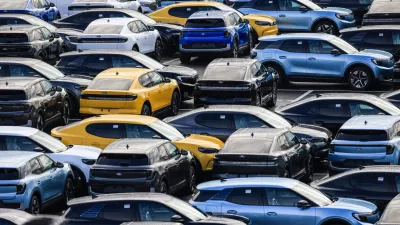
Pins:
x: 130, y: 91
x: 100, y: 131
x: 178, y: 14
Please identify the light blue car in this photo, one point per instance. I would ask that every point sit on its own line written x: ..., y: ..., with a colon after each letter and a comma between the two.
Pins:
x: 365, y: 141
x: 278, y: 201
x: 301, y: 15
x: 39, y: 8
x: 306, y: 57
x: 32, y: 181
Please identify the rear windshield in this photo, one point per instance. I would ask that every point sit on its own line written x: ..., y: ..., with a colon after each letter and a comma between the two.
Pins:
x: 13, y: 38
x: 205, y: 23
x: 103, y: 29
x: 12, y: 95
x: 362, y: 135
x: 9, y: 174
x: 247, y: 146
x: 110, y: 84
x: 13, y: 4
x: 123, y: 160
x: 224, y: 73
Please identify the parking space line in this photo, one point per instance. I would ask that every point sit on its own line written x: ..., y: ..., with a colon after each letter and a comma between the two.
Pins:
x: 302, y: 96
x: 170, y: 61
x: 298, y: 90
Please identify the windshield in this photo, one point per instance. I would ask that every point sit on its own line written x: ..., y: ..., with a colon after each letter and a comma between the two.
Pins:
x: 343, y: 45
x: 103, y: 29
x: 145, y: 19
x: 309, y: 4
x: 39, y: 22
x: 48, y: 71
x: 185, y: 209
x: 227, y: 8
x: 312, y: 194
x: 275, y: 120
x: 167, y: 130
x: 149, y: 62
x: 49, y: 142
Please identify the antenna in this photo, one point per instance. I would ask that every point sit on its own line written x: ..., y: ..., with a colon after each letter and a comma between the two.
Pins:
x: 227, y: 63
x: 252, y: 134
x: 94, y: 196
x: 108, y: 20
x: 80, y: 50
x: 10, y: 28
x: 365, y: 122
x: 127, y: 146
x: 207, y: 14
x: 318, y: 95
x: 117, y: 73
x: 6, y: 83
x: 223, y: 179
x: 205, y: 106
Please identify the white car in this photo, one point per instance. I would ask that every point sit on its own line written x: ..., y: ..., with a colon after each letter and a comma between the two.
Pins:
x: 81, y: 158
x: 80, y: 5
x: 121, y: 33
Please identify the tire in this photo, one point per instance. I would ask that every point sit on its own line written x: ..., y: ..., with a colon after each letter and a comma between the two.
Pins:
x: 326, y: 27
x: 185, y: 58
x: 308, y: 177
x: 191, y: 180
x: 250, y: 44
x: 58, y: 17
x: 359, y: 78
x: 146, y: 109
x: 35, y: 206
x: 40, y: 124
x: 66, y: 112
x: 175, y: 102
x: 163, y: 187
x: 135, y: 48
x: 81, y: 187
x: 69, y: 190
x: 234, y: 52
x: 278, y: 73
x: 286, y: 174
x: 257, y: 100
x: 274, y: 97
x: 158, y: 50
x: 140, y: 10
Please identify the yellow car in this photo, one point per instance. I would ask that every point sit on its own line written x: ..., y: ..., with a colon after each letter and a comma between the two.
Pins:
x: 130, y: 91
x: 100, y: 131
x: 262, y: 25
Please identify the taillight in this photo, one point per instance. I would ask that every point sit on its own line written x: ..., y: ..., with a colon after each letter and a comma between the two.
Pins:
x: 227, y: 33
x: 21, y: 188
x: 131, y: 97
x: 122, y: 40
x: 389, y: 149
x: 331, y: 148
x: 181, y: 34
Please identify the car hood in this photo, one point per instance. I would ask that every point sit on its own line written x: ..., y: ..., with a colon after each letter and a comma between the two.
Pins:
x: 377, y: 54
x: 312, y: 130
x: 184, y: 71
x: 202, y: 141
x: 78, y: 79
x: 258, y: 17
x: 336, y: 10
x: 85, y: 152
x: 353, y: 204
x: 167, y: 26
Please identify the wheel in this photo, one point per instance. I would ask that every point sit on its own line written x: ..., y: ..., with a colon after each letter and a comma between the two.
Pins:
x: 185, y: 58
x: 69, y: 190
x: 274, y: 97
x: 140, y: 10
x: 146, y: 110
x: 278, y: 73
x: 40, y: 122
x: 250, y: 44
x: 234, y: 52
x: 163, y: 187
x: 175, y: 102
x: 158, y: 50
x: 308, y: 177
x: 81, y: 187
x: 58, y: 17
x: 359, y: 78
x: 135, y: 48
x: 40, y: 57
x: 35, y: 205
x: 326, y: 27
x: 286, y: 174
x: 66, y: 113
x: 191, y: 180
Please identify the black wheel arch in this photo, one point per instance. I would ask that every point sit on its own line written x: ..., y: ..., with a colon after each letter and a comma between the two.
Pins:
x: 330, y: 221
x: 346, y: 72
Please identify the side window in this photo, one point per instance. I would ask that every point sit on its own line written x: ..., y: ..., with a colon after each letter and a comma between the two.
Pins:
x: 106, y: 130
x: 320, y: 47
x: 247, y: 121
x: 237, y: 18
x: 39, y: 90
x: 47, y: 87
x: 292, y: 139
x: 378, y: 38
x: 139, y: 131
x: 19, y: 143
x: 75, y: 18
x: 37, y: 35
x: 12, y: 21
x: 145, y: 81
x: 297, y: 46
x: 153, y: 211
x: 121, y: 211
x: 329, y: 108
x: 374, y: 182
x: 97, y: 62
x: 36, y: 4
x: 182, y: 12
x: 230, y: 20
x: 5, y: 222
x: 262, y: 69
x: 216, y: 120
x: 396, y: 37
x: 246, y: 196
x: 46, y: 162
x: 254, y: 70
x: 141, y: 27
x: 72, y: 61
x: 44, y: 3
x: 282, y: 197
x: 35, y: 166
x: 46, y: 33
x: 283, y: 142
x: 361, y: 108
x: 119, y: 61
x: 132, y: 27
x: 20, y: 70
x: 162, y: 153
x: 265, y: 5
x: 171, y: 149
x: 156, y: 78
x: 289, y: 5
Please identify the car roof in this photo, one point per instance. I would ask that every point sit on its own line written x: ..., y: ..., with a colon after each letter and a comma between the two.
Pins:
x: 216, y: 14
x: 248, y: 182
x: 371, y: 27
x: 18, y: 82
x: 258, y: 133
x: 18, y: 131
x: 17, y: 15
x: 384, y: 6
x: 17, y: 216
x: 193, y: 3
x: 239, y: 62
x: 156, y: 197
x: 121, y: 118
x: 114, y: 21
x: 373, y: 122
x: 309, y: 36
x: 18, y: 28
x: 126, y: 73
x: 129, y: 53
x: 20, y: 60
x: 15, y: 159
x: 133, y: 145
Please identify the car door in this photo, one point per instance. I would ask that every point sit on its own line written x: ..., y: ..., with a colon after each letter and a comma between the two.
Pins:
x: 151, y: 35
x: 293, y: 56
x: 139, y: 36
x: 262, y: 7
x: 151, y: 93
x: 171, y: 166
x: 322, y: 62
x: 147, y: 41
x: 299, y: 154
x: 57, y: 178
x: 54, y: 45
x: 247, y: 202
x: 261, y: 79
x: 216, y: 124
x: 161, y: 93
x: 181, y: 162
x: 291, y: 17
x: 42, y: 179
x: 281, y: 205
x: 100, y: 135
x: 290, y: 154
x: 53, y: 103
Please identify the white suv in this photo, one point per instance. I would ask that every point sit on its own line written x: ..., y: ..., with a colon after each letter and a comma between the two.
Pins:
x: 80, y: 5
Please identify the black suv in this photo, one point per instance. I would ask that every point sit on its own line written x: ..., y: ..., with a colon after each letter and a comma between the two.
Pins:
x: 142, y: 165
x: 33, y: 102
x: 382, y: 12
x: 29, y: 41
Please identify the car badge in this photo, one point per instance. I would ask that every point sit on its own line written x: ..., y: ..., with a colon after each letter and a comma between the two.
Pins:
x: 220, y: 82
x: 4, y: 49
x: 119, y: 174
x: 104, y: 92
x: 99, y: 36
x: 358, y: 149
x: 241, y: 156
x: 203, y: 34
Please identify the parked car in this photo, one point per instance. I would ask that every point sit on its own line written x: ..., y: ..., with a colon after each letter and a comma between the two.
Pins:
x: 29, y: 41
x: 102, y: 130
x: 301, y: 15
x: 62, y: 6
x: 382, y: 12
x: 23, y: 67
x: 143, y: 165
x: 80, y: 158
x: 80, y: 5
x: 390, y: 215
x: 32, y: 102
x: 258, y: 152
x: 377, y: 184
x: 64, y: 36
x: 222, y: 120
x: 364, y: 141
x: 130, y: 91
x: 92, y: 62
x: 169, y: 32
x: 271, y: 200
x: 236, y: 81
x: 14, y: 217
x: 150, y: 207
x: 323, y: 57
x: 392, y: 97
x: 121, y: 33
x: 332, y: 110
x: 39, y: 8
x: 208, y: 32
x: 32, y: 181
x: 261, y: 25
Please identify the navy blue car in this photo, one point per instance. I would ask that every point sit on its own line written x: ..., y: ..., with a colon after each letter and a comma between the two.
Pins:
x: 39, y: 8
x: 214, y: 32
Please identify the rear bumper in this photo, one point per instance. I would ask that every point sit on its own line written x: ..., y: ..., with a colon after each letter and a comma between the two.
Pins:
x: 235, y: 169
x: 339, y: 164
x: 217, y: 44
x: 200, y: 101
x: 109, y: 186
x: 104, y: 111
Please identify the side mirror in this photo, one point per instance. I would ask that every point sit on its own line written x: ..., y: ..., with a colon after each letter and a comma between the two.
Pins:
x: 303, y: 204
x: 38, y: 149
x: 303, y: 141
x: 177, y: 219
x: 55, y: 35
x: 151, y: 28
x: 184, y: 152
x: 59, y: 89
x: 52, y: 4
x: 335, y: 52
x: 51, y: 39
x: 60, y: 165
x: 303, y: 8
x: 167, y: 80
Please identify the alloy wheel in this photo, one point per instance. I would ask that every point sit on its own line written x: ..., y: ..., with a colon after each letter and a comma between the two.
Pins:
x: 66, y: 112
x: 192, y: 179
x: 175, y: 103
x: 163, y: 188
x: 325, y: 28
x: 35, y: 206
x: 146, y: 110
x: 69, y: 190
x: 359, y: 79
x: 274, y: 71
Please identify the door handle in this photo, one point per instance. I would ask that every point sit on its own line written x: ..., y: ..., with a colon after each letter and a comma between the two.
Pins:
x: 272, y: 213
x: 231, y: 211
x: 282, y: 15
x: 319, y: 122
x: 311, y: 58
x: 282, y: 57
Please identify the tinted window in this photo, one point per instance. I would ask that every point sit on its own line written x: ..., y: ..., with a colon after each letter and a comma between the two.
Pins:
x: 283, y: 142
x: 141, y: 27
x: 18, y: 143
x: 293, y: 46
x: 182, y: 12
x: 224, y: 73
x: 320, y: 47
x: 163, y: 153
x: 378, y: 37
x: 396, y: 37
x: 103, y: 29
x: 46, y: 33
x: 374, y: 182
x: 145, y: 81
x: 282, y: 197
x: 123, y: 160
x: 139, y: 131
x: 203, y: 196
x: 35, y: 166
x: 246, y: 196
x: 110, y: 84
x: 360, y: 108
x: 265, y: 5
x: 362, y: 135
x: 46, y: 162
x: 5, y: 222
x: 215, y: 120
x: 263, y: 44
x: 247, y: 121
x: 156, y: 78
x: 205, y: 23
x: 18, y: 70
x: 47, y: 87
x: 119, y: 61
x: 155, y: 212
x: 122, y: 211
x: 39, y: 90
x: 328, y: 108
x: 132, y: 27
x: 171, y: 149
x: 37, y: 35
x: 246, y: 146
x: 106, y: 130
x: 292, y: 139
x: 289, y: 5
x: 97, y: 62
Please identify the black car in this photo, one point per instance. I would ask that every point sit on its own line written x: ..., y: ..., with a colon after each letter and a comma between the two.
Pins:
x: 68, y: 36
x: 382, y: 12
x: 169, y: 33
x: 236, y: 81
x: 33, y: 102
x: 377, y: 184
x: 391, y: 214
x: 264, y: 152
x: 142, y: 165
x: 331, y: 110
x: 222, y: 120
x: 74, y: 84
x: 393, y: 97
x: 92, y: 62
x: 29, y: 41
x: 129, y: 207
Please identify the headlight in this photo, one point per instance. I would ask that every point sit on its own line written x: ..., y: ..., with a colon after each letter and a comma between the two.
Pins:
x: 88, y: 161
x: 145, y: 5
x: 377, y: 62
x: 208, y: 150
x: 80, y: 87
x: 342, y: 16
x: 263, y: 23
x: 362, y: 217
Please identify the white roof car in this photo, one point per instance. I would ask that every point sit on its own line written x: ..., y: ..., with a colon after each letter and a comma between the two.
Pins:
x: 80, y: 5
x: 121, y: 33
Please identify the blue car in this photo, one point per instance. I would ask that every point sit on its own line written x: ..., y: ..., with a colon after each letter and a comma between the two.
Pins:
x: 278, y: 201
x: 306, y: 57
x: 39, y: 8
x: 365, y: 141
x: 301, y: 15
x: 208, y: 32
x: 31, y: 181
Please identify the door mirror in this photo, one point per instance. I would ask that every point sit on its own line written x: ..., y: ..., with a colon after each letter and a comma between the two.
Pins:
x: 303, y: 141
x: 52, y: 4
x: 51, y: 39
x: 184, y: 152
x: 55, y: 35
x: 335, y: 52
x: 177, y: 219
x: 151, y: 28
x: 59, y: 89
x: 167, y: 80
x: 303, y: 204
x: 38, y: 149
x: 303, y: 8
x: 60, y: 165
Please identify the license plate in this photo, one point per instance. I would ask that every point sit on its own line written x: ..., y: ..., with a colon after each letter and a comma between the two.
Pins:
x: 119, y: 189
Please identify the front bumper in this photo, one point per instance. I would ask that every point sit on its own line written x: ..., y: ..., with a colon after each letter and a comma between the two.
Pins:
x: 186, y: 90
x: 384, y: 74
x: 343, y: 24
x: 16, y: 119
